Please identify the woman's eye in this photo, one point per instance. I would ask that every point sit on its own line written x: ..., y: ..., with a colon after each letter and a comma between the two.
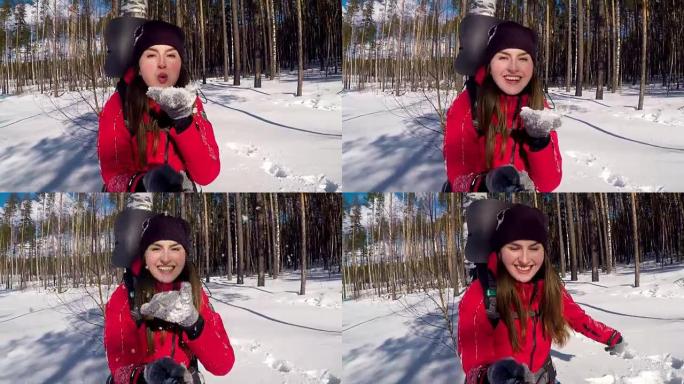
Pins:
x: 149, y: 56
x: 503, y: 57
x: 524, y: 59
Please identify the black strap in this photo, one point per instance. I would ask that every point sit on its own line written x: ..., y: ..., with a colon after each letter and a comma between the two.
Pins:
x: 130, y: 281
x: 488, y: 282
x: 471, y: 87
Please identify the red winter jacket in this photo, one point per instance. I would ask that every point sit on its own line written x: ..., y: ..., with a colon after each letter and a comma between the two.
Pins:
x: 479, y: 344
x: 117, y: 149
x: 126, y: 344
x: 464, y: 149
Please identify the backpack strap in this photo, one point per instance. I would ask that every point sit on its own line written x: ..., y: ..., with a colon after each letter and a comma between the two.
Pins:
x: 121, y: 89
x: 471, y: 87
x: 130, y: 281
x: 488, y: 282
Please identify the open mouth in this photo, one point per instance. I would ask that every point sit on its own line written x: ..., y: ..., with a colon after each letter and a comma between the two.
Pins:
x: 512, y: 79
x: 523, y: 269
x: 166, y: 268
x: 162, y: 78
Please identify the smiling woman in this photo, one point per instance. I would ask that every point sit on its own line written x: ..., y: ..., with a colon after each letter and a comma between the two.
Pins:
x: 160, y: 323
x: 153, y: 135
x: 526, y: 307
x: 488, y: 144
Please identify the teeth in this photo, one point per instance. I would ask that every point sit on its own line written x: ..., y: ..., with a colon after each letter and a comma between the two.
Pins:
x: 165, y: 269
x: 512, y: 78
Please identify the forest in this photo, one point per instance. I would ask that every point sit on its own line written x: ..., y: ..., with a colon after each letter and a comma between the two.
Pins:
x: 53, y: 46
x: 64, y: 240
x: 404, y: 242
x: 399, y: 45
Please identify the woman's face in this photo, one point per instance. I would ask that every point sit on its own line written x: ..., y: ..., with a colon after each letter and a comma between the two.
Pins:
x: 160, y: 66
x: 165, y: 260
x: 522, y: 259
x: 511, y: 70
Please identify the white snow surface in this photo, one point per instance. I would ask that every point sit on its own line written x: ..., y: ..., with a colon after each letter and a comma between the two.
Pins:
x: 269, y: 140
x: 277, y: 335
x: 384, y: 341
x: 395, y: 143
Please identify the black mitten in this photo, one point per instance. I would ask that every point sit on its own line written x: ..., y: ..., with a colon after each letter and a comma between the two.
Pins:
x: 503, y: 179
x: 166, y: 371
x: 163, y: 179
x: 509, y: 371
x: 507, y: 179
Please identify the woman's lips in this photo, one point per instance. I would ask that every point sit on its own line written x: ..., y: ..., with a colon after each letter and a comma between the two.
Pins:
x: 162, y: 78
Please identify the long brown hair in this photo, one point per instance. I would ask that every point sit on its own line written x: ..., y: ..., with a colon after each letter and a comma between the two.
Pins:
x: 137, y: 106
x: 550, y: 307
x: 144, y: 290
x: 489, y: 105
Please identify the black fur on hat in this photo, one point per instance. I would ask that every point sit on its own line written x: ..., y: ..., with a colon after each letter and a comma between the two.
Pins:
x: 163, y: 227
x: 520, y: 222
x: 156, y: 32
x: 509, y: 34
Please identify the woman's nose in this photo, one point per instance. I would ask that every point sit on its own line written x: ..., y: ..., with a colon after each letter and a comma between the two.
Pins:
x: 513, y: 65
x: 162, y: 62
x: 165, y: 255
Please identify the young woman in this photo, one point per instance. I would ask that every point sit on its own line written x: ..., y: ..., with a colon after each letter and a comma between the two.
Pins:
x: 511, y: 342
x: 156, y: 332
x: 154, y: 135
x: 494, y: 149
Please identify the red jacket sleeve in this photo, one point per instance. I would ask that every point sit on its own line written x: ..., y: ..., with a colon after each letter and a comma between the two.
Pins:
x: 475, y: 333
x: 114, y: 148
x: 121, y: 340
x: 546, y: 165
x: 212, y: 347
x: 198, y: 148
x: 583, y: 323
x: 461, y: 149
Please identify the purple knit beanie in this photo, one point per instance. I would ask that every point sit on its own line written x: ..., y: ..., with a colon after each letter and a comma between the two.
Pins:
x: 156, y: 32
x: 520, y: 222
x: 509, y: 34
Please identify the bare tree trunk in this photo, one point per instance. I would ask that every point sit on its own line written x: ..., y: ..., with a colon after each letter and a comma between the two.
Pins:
x: 263, y: 234
x: 302, y: 200
x: 644, y: 46
x: 560, y: 236
x: 202, y: 46
x: 300, y: 77
x: 579, y: 71
x: 206, y: 246
x: 569, y: 204
x: 236, y: 43
x: 229, y: 242
x: 274, y: 59
x: 635, y: 235
x: 601, y: 50
x: 240, y: 249
x: 225, y: 41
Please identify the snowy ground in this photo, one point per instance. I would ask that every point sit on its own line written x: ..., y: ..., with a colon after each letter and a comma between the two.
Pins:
x: 386, y: 342
x: 394, y: 144
x: 278, y: 336
x: 269, y: 139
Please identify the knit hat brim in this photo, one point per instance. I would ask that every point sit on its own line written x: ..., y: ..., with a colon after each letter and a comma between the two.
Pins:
x: 507, y: 35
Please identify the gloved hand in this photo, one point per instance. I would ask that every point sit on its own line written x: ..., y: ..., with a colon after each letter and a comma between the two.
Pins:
x: 166, y: 371
x: 617, y: 345
x: 539, y: 124
x: 176, y: 102
x: 163, y: 179
x: 173, y: 306
x: 507, y: 179
x: 509, y: 371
